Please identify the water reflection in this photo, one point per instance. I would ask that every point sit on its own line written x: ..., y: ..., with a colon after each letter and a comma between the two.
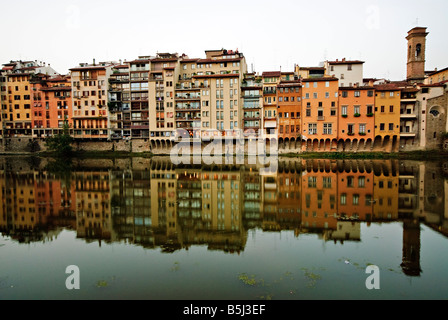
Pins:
x: 153, y: 204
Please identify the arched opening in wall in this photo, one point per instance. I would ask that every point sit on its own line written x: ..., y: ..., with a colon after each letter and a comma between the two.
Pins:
x: 369, y: 145
x: 341, y: 145
x: 293, y: 143
x: 309, y: 145
x: 355, y: 145
x: 378, y: 143
x: 362, y: 145
x: 315, y: 145
x: 418, y: 52
x: 280, y: 143
x: 327, y: 145
x: 435, y: 111
x: 410, y: 53
x: 321, y: 145
x: 153, y: 144
x: 396, y: 144
x: 286, y: 144
x: 348, y: 145
x: 387, y: 144
x: 334, y: 145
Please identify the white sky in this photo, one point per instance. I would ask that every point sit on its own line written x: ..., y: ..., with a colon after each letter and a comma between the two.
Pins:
x: 270, y: 33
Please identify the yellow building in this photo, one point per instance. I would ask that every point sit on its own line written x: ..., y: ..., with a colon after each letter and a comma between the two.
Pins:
x: 385, y: 193
x: 437, y: 76
x: 16, y: 94
x: 387, y: 117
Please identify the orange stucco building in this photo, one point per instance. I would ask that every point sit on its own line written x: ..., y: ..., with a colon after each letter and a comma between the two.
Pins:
x: 320, y: 113
x: 357, y: 117
x: 51, y: 104
x: 289, y: 95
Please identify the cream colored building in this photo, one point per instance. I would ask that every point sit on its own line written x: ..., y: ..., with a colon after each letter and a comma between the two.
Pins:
x: 90, y: 85
x: 349, y: 72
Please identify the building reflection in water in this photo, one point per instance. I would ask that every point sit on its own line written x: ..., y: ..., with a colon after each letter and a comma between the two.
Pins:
x: 153, y: 204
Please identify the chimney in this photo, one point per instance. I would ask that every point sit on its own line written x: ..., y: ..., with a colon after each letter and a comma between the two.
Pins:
x: 93, y: 61
x: 343, y: 60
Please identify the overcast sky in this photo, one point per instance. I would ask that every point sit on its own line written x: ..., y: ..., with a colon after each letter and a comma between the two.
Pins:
x: 272, y: 34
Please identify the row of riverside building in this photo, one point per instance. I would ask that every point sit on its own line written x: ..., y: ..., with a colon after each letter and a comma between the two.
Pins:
x: 331, y: 107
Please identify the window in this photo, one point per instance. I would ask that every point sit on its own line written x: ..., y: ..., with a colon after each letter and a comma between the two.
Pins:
x: 391, y: 127
x: 382, y: 127
x: 343, y: 199
x: 312, y: 128
x: 328, y: 128
x: 362, y: 128
x: 361, y: 182
x: 357, y: 93
x: 344, y: 94
x: 349, y: 67
x: 391, y: 108
x: 344, y: 110
x: 357, y: 110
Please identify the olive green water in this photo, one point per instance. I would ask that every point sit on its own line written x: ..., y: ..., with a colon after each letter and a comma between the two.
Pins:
x: 145, y: 229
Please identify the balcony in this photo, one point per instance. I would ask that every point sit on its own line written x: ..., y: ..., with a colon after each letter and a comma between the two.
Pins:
x: 181, y: 119
x: 188, y: 108
x: 268, y: 92
x: 320, y: 118
x: 408, y: 134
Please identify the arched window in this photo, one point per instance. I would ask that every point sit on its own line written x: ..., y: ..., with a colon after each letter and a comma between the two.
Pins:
x: 418, y: 51
x: 434, y: 112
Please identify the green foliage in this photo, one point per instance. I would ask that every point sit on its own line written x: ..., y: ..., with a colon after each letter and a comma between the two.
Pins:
x: 61, y: 144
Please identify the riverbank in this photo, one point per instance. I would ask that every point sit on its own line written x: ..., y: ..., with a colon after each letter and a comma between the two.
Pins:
x: 410, y: 155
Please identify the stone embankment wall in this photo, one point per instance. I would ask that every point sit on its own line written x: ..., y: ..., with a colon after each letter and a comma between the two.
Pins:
x: 29, y: 145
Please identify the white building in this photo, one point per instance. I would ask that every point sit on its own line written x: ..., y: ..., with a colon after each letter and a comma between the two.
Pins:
x: 349, y: 73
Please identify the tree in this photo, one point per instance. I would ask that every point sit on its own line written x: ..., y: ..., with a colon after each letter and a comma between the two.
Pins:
x: 61, y: 144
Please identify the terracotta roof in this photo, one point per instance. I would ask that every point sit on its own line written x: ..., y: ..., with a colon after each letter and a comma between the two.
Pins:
x: 320, y: 79
x: 387, y: 87
x: 139, y: 61
x: 57, y: 89
x: 271, y: 74
x: 357, y: 88
x: 164, y: 60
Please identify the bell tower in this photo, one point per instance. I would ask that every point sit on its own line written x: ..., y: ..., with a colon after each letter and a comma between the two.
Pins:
x: 416, y: 54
